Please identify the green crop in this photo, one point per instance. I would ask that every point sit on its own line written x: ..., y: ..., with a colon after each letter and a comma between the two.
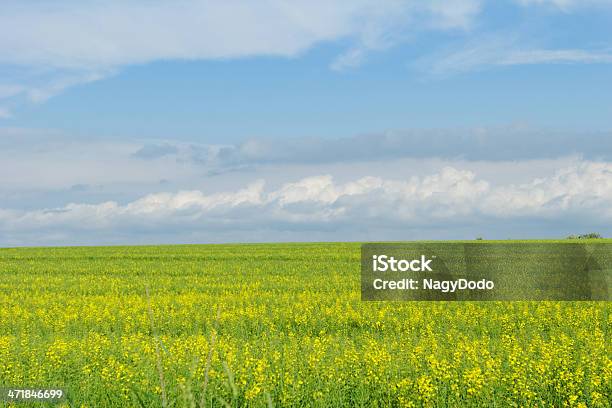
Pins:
x: 282, y: 325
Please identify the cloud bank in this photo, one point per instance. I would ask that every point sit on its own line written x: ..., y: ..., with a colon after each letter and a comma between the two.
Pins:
x: 449, y: 199
x: 491, y: 144
x: 50, y: 160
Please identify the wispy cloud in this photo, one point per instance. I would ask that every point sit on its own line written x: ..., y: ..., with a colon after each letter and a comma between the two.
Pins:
x: 5, y: 113
x: 566, y: 5
x: 70, y: 42
x: 28, y: 85
x: 7, y: 90
x: 57, y: 84
x: 556, y: 57
x: 47, y: 48
x: 385, y: 28
x: 503, y: 50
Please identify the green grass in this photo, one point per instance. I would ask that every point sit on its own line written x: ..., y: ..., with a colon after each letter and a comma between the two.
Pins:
x: 279, y: 324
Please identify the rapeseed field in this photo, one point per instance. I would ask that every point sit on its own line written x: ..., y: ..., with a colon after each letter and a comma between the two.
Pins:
x: 279, y: 325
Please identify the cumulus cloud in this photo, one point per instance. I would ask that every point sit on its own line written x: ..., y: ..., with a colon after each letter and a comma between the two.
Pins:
x: 583, y: 188
x: 397, y: 185
x: 318, y: 203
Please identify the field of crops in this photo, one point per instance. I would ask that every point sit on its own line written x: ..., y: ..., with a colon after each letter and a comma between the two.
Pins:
x: 282, y: 325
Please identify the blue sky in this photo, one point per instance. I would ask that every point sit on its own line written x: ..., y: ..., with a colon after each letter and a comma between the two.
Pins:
x: 231, y: 100
x: 404, y: 85
x: 299, y: 114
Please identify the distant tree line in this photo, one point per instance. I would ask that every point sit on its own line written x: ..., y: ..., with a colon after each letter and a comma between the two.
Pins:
x: 590, y: 235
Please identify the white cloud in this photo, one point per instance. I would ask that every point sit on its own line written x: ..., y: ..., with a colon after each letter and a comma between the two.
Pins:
x: 383, y: 28
x: 56, y: 85
x: 85, y: 34
x: 519, y: 57
x: 454, y: 13
x: 36, y: 85
x: 5, y: 113
x: 316, y: 189
x: 566, y: 5
x: 365, y: 187
x: 349, y: 59
x: 504, y: 50
x: 7, y: 91
x: 446, y: 198
x: 48, y: 47
x: 52, y: 46
x: 585, y: 187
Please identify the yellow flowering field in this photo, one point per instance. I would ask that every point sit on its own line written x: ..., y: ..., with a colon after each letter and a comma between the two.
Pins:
x: 279, y: 325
